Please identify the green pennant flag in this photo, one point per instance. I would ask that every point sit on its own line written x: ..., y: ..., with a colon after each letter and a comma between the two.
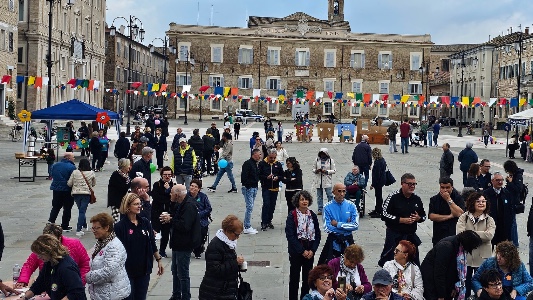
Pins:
x: 359, y: 96
x: 531, y: 102
x: 416, y: 97
x: 470, y: 101
x: 300, y: 94
x: 85, y: 83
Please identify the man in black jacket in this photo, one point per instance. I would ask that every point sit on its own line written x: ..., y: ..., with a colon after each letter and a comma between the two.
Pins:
x: 141, y: 168
x: 402, y: 210
x: 209, y: 149
x: 270, y: 174
x: 197, y: 143
x: 446, y: 161
x: 185, y: 237
x: 249, y: 181
x: 445, y: 208
x: 122, y: 147
x: 501, y: 209
x: 362, y: 156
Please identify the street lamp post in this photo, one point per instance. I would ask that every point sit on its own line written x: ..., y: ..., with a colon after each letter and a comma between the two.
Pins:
x: 203, y: 68
x: 165, y: 70
x: 518, y: 48
x: 460, y: 134
x: 134, y: 33
x: 189, y: 60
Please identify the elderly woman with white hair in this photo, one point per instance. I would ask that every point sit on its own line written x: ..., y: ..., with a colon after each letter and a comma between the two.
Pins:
x: 466, y: 157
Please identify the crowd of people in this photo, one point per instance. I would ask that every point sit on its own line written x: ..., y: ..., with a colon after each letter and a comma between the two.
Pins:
x: 468, y: 227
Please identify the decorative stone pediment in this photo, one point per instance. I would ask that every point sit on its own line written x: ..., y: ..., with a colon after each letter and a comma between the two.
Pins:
x: 297, y: 16
x: 303, y: 27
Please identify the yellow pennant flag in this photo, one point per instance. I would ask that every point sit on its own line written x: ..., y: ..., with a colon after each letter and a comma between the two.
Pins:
x: 31, y: 80
x: 226, y: 91
x: 405, y: 98
x: 522, y: 101
x: 351, y: 95
x: 465, y: 101
x: 155, y: 87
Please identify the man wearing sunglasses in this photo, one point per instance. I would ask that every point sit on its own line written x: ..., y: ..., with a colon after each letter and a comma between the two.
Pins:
x: 402, y: 210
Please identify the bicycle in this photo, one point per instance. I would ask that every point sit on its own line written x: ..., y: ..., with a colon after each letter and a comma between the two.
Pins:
x: 16, y: 133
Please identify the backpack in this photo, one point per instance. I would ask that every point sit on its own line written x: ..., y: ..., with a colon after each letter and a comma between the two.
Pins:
x: 521, y: 206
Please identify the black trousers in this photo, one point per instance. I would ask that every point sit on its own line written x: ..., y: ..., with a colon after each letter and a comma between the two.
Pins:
x: 379, y: 199
x: 207, y: 158
x: 200, y: 249
x: 391, y: 241
x: 299, y: 265
x: 159, y: 157
x: 165, y: 236
x: 288, y: 197
x: 60, y: 200
x: 96, y: 158
x: 101, y: 159
x: 328, y: 253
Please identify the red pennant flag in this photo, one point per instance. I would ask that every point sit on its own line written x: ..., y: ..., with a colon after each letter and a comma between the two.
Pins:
x: 330, y: 95
x: 163, y: 87
x: 366, y: 98
x: 136, y: 85
x: 6, y: 79
x: 38, y: 82
x: 72, y: 82
x: 91, y: 85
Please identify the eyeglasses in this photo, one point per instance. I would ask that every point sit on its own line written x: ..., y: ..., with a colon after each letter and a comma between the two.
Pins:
x: 486, y: 167
x: 325, y: 277
x: 410, y: 184
x: 96, y: 228
x: 496, y: 285
x: 396, y: 251
x: 167, y: 174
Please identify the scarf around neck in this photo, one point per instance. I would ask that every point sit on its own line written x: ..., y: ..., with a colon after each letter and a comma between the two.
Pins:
x: 352, y: 275
x: 222, y: 236
x: 316, y: 295
x: 306, y: 226
x: 461, y: 270
x: 101, y: 244
x: 125, y: 175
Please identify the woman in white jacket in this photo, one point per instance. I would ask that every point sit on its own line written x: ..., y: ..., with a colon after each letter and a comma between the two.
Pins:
x: 406, y: 276
x: 107, y: 278
x: 80, y: 180
x: 323, y: 168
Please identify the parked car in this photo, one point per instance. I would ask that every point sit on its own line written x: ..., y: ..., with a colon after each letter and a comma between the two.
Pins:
x: 385, y: 121
x: 242, y: 115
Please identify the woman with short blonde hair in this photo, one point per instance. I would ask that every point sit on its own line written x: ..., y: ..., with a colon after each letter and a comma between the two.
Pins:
x: 60, y: 277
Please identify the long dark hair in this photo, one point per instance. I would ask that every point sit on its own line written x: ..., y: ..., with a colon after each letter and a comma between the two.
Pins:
x: 294, y: 162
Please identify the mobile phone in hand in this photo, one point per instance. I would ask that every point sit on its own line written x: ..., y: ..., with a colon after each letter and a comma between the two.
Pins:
x: 342, y: 283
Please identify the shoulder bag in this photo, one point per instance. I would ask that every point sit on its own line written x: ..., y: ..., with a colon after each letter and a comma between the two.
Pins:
x: 93, y: 197
x: 389, y: 178
x: 244, y: 291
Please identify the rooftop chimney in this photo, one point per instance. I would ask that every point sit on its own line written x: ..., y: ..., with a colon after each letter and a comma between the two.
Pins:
x: 527, y: 31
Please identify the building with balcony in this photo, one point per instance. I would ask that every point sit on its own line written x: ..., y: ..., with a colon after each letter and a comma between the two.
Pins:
x: 77, y: 51
x: 146, y: 66
x: 297, y: 54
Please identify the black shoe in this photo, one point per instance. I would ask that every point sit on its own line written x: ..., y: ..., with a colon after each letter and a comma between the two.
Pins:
x: 163, y: 254
x: 212, y: 189
x: 67, y: 229
x: 264, y: 227
x: 270, y: 226
x: 233, y: 190
x: 374, y: 214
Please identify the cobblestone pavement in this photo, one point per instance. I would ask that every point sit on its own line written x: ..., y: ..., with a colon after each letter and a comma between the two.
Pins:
x: 25, y: 207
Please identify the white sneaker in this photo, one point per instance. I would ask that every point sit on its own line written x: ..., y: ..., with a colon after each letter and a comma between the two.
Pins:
x: 80, y: 233
x: 158, y: 236
x: 249, y: 230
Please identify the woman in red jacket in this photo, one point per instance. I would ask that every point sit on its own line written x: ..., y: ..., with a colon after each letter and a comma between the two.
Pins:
x: 75, y: 248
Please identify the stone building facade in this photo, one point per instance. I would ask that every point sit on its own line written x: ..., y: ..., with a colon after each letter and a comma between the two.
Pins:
x: 8, y: 51
x: 147, y: 67
x: 77, y: 50
x: 296, y: 53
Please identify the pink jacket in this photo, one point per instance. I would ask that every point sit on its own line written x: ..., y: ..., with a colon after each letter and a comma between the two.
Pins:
x: 77, y: 252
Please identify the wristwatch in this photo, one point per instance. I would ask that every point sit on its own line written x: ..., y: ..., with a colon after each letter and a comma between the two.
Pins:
x: 450, y: 202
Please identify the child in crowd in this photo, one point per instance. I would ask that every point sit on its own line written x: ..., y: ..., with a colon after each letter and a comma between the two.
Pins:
x: 50, y: 158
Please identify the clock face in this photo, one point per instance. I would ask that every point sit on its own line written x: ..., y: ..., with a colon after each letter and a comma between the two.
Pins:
x: 78, y: 49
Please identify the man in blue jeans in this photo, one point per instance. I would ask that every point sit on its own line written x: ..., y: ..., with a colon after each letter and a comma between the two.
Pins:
x: 185, y: 227
x: 227, y: 153
x: 404, y: 135
x: 270, y: 174
x: 249, y: 180
x: 61, y: 192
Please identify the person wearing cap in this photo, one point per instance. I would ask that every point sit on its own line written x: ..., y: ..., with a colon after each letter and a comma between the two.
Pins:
x: 184, y: 163
x: 382, y: 287
x: 227, y: 154
x: 362, y: 156
x: 176, y: 142
x: 324, y: 168
x: 141, y: 168
x: 209, y: 150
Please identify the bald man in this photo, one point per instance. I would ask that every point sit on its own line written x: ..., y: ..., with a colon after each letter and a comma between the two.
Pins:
x: 141, y: 187
x: 186, y: 236
x: 340, y: 220
x: 61, y: 197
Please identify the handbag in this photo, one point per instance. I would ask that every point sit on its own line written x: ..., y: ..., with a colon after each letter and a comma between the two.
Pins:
x: 165, y: 156
x: 244, y: 292
x: 389, y: 178
x: 93, y: 197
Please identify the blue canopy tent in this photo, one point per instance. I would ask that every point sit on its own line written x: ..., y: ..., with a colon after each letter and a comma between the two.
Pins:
x: 70, y: 110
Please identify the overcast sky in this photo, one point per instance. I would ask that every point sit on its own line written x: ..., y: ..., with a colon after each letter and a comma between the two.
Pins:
x: 448, y: 21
